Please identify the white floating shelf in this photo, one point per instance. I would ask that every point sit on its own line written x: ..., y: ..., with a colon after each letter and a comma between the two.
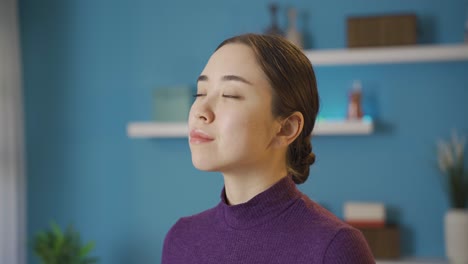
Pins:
x: 381, y: 55
x: 157, y: 130
x: 344, y: 127
x: 179, y: 130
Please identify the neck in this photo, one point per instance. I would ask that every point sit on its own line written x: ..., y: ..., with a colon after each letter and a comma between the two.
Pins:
x: 240, y: 187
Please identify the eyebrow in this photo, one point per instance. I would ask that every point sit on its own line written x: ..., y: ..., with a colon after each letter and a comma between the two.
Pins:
x: 226, y: 78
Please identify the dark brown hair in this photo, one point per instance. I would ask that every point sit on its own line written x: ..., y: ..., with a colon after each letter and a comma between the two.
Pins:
x: 292, y: 79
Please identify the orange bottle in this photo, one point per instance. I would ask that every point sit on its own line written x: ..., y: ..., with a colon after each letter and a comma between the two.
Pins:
x: 355, y: 102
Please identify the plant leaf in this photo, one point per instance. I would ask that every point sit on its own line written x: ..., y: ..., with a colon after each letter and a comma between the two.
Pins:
x: 58, y: 238
x: 54, y: 246
x: 86, y: 249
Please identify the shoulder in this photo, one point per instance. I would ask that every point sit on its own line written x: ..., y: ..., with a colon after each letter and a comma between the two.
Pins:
x: 339, y: 242
x: 348, y: 246
x: 314, y: 216
x: 200, y: 220
x: 185, y: 227
x: 184, y: 233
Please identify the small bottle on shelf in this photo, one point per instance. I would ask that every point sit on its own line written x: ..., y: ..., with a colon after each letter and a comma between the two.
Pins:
x: 354, y: 103
x: 274, y: 29
x: 293, y: 34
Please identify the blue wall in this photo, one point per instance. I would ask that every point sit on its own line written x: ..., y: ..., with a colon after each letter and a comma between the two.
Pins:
x: 90, y: 67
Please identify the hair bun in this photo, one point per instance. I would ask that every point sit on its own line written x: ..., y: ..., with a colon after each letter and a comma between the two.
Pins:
x: 304, y: 158
x: 309, y: 159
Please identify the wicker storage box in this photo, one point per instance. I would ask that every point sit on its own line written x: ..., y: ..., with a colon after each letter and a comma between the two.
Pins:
x: 385, y: 30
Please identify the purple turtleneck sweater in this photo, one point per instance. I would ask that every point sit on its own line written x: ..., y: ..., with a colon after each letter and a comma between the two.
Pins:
x: 279, y: 225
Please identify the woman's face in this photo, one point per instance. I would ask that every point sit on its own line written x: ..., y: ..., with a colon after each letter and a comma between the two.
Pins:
x: 231, y: 123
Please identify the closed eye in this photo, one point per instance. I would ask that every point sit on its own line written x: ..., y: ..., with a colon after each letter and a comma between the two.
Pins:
x: 198, y: 95
x: 231, y: 96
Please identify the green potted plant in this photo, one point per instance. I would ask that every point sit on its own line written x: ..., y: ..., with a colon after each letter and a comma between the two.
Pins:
x: 53, y: 246
x: 451, y: 160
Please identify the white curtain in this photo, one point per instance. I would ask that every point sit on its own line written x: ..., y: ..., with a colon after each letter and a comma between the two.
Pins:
x: 12, y: 174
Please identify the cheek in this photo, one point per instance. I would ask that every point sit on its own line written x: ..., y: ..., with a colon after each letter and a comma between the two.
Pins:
x: 233, y: 119
x: 244, y: 127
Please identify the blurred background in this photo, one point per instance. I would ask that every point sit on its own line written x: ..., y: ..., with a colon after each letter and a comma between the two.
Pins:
x: 91, y: 67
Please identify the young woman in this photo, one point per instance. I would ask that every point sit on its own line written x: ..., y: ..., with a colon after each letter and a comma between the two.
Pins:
x: 255, y: 109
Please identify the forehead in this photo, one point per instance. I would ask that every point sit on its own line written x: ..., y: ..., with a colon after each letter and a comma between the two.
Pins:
x: 236, y: 59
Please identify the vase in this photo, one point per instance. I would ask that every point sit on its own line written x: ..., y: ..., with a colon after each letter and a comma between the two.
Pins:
x: 456, y: 236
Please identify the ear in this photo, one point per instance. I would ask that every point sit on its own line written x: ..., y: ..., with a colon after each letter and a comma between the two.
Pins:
x: 290, y: 129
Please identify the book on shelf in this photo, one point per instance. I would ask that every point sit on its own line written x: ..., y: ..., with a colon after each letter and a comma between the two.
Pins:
x: 365, y: 214
x: 366, y: 223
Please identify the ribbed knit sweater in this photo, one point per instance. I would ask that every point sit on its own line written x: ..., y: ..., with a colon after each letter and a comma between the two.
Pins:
x: 279, y: 225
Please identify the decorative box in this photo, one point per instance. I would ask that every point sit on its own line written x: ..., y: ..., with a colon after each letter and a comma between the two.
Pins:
x: 384, y: 242
x: 383, y: 30
x: 172, y: 104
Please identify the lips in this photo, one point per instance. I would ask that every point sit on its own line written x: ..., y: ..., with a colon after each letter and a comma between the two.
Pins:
x: 197, y: 137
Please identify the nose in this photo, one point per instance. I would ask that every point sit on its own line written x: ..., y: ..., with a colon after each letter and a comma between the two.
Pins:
x: 203, y: 112
x: 205, y: 116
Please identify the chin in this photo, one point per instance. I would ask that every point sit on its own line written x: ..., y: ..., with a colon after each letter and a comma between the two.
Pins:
x: 204, y: 165
x: 205, y: 168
